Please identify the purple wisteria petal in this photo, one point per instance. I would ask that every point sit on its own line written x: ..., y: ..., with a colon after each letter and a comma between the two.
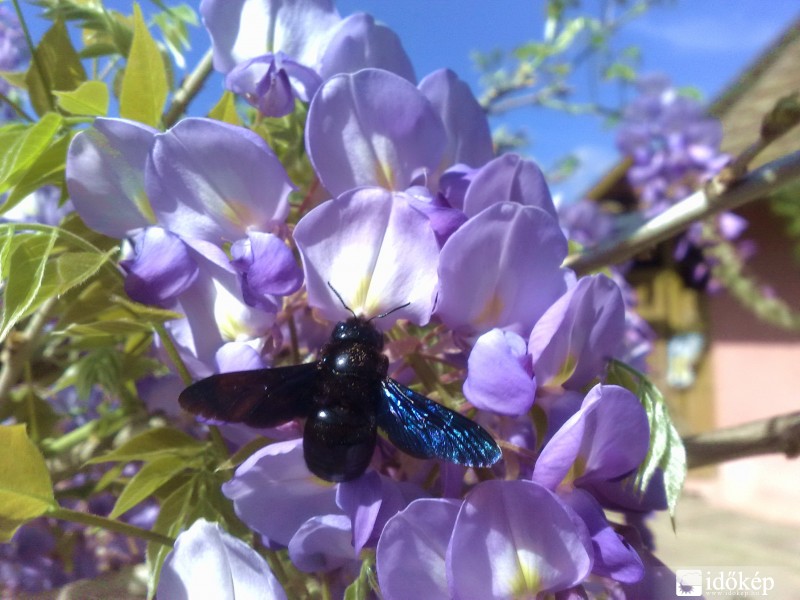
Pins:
x: 213, y: 181
x: 574, y: 340
x: 322, y: 544
x: 502, y: 268
x: 621, y: 494
x: 411, y: 553
x: 361, y: 500
x: 469, y: 140
x: 274, y: 493
x: 238, y: 356
x: 613, y: 556
x: 375, y: 250
x: 454, y: 182
x: 244, y: 29
x: 361, y: 43
x: 162, y: 267
x: 509, y: 178
x: 499, y: 374
x: 608, y: 437
x: 370, y: 501
x: 105, y: 176
x: 272, y: 82
x: 207, y: 562
x: 514, y: 539
x: 267, y: 268
x: 214, y: 299
x: 443, y: 218
x: 372, y: 128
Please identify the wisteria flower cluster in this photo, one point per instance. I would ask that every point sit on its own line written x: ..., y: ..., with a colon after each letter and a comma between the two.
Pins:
x: 403, y: 216
x: 674, y: 147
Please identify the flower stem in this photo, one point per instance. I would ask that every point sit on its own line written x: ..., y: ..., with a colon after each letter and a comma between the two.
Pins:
x: 75, y: 516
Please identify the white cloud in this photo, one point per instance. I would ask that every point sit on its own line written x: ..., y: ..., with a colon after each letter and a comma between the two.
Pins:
x: 707, y: 33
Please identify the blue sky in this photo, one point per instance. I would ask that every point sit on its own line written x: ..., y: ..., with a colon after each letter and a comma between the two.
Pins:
x: 698, y: 43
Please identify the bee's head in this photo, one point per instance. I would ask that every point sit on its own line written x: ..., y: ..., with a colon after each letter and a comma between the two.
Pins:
x: 358, y: 329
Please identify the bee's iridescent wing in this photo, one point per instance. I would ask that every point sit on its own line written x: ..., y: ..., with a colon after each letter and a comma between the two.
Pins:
x: 425, y: 429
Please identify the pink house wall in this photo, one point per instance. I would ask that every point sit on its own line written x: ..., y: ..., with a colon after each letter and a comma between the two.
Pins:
x: 756, y: 374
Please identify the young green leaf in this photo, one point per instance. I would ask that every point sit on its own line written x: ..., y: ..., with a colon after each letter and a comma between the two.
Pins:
x: 225, y: 110
x: 46, y: 169
x: 55, y: 66
x: 153, y: 444
x: 26, y: 491
x: 22, y: 150
x: 666, y: 449
x: 150, y: 478
x: 25, y: 271
x: 91, y: 98
x: 144, y: 86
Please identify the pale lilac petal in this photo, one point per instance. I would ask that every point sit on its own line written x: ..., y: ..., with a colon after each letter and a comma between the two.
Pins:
x: 361, y: 500
x: 267, y: 267
x: 105, y: 176
x: 375, y: 250
x: 609, y: 436
x: 613, y: 556
x: 214, y: 181
x: 238, y: 356
x: 372, y: 128
x: 207, y: 562
x: 499, y: 374
x: 322, y: 544
x: 509, y: 178
x: 573, y: 341
x: 274, y: 493
x: 244, y: 29
x: 502, y: 268
x: 360, y: 43
x: 515, y: 539
x: 469, y: 140
x: 454, y: 182
x: 411, y: 552
x: 162, y: 267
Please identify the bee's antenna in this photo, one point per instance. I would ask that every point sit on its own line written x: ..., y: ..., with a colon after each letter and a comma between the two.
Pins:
x: 388, y: 312
x: 338, y: 295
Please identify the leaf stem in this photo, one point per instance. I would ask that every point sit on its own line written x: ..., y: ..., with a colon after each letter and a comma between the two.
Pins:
x: 172, y: 352
x: 75, y: 516
x: 190, y: 88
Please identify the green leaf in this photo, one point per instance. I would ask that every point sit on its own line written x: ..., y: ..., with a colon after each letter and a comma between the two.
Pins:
x: 144, y: 86
x: 150, y: 477
x: 91, y: 98
x: 60, y: 65
x: 25, y: 272
x: 47, y: 169
x: 21, y: 152
x: 15, y: 78
x: 225, y: 110
x: 26, y: 491
x: 153, y: 444
x: 365, y: 583
x: 666, y: 449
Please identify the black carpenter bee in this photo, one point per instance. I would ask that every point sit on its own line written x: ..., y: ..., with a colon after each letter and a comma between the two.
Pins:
x: 345, y: 396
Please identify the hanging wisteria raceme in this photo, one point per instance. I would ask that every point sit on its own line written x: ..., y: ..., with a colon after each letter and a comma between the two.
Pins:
x: 674, y: 147
x: 403, y: 222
